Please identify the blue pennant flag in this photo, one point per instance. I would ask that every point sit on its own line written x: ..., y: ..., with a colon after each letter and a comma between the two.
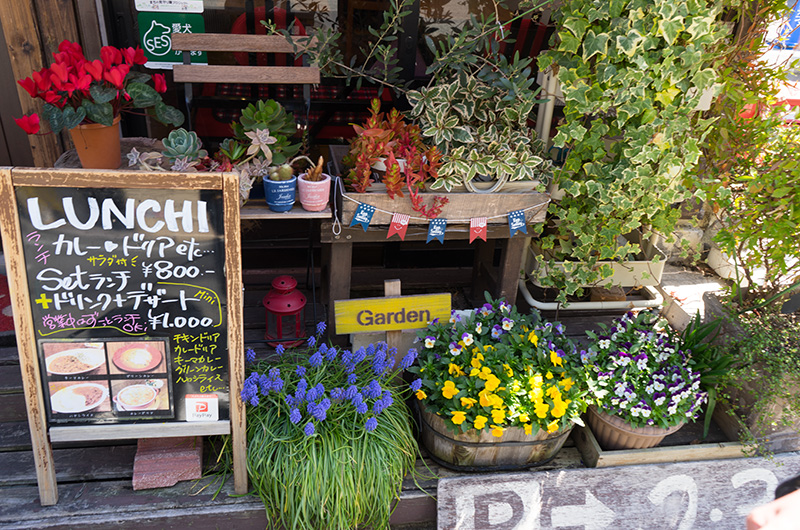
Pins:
x: 436, y: 230
x: 516, y: 221
x: 363, y: 215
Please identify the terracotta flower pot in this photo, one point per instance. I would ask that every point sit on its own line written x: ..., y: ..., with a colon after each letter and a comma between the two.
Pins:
x: 97, y: 145
x: 314, y: 195
x: 612, y: 432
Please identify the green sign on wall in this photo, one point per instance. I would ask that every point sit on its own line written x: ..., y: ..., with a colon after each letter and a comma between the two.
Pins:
x: 155, y: 29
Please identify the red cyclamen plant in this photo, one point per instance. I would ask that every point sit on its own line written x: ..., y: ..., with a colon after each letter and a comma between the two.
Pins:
x: 76, y: 90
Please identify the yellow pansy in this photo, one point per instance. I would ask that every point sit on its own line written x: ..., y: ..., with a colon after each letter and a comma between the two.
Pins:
x: 468, y: 402
x: 485, y: 373
x: 474, y: 372
x: 476, y: 363
x: 567, y: 383
x: 484, y: 398
x: 421, y: 395
x: 509, y: 371
x: 553, y: 392
x: 498, y: 416
x: 552, y: 426
x: 459, y: 417
x: 555, y: 359
x: 524, y: 418
x: 497, y: 431
x: 528, y: 428
x: 533, y: 338
x: 449, y: 389
x: 549, y: 375
x: 496, y: 400
x: 559, y: 408
x: 480, y: 422
x: 488, y: 348
x: 454, y: 369
x: 536, y: 380
x: 478, y: 355
x: 516, y: 387
x: 492, y: 382
x: 541, y: 409
x: 536, y: 394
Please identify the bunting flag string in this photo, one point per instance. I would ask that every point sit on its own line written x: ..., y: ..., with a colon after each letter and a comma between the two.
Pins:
x: 398, y: 226
x: 436, y: 227
x: 477, y: 228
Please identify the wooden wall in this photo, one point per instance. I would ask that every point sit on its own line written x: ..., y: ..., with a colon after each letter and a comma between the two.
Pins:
x: 32, y: 30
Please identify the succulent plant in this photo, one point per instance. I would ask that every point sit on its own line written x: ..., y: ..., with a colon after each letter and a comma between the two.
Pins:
x: 269, y: 115
x: 283, y: 172
x: 181, y: 143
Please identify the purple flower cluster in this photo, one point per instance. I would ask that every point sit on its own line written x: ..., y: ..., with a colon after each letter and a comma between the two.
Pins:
x: 309, y: 397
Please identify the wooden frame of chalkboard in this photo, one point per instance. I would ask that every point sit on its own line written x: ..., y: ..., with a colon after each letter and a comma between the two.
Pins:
x: 219, y: 207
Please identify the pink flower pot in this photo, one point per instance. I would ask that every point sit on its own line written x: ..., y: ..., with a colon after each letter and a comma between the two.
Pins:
x: 314, y: 195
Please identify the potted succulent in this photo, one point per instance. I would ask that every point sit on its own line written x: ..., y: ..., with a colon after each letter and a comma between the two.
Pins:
x: 329, y: 437
x: 388, y: 148
x: 314, y: 188
x: 87, y: 97
x: 642, y: 387
x: 280, y: 188
x: 495, y: 375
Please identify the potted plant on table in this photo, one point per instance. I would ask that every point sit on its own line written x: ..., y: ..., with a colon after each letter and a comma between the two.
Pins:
x: 314, y: 188
x: 87, y: 97
x: 642, y: 387
x: 329, y: 437
x: 496, y: 376
x: 388, y: 148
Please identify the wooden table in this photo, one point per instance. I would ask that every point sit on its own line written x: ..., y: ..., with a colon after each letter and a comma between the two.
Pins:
x: 337, y: 249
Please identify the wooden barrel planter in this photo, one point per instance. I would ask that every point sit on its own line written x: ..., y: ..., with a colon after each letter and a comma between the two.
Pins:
x: 480, y: 451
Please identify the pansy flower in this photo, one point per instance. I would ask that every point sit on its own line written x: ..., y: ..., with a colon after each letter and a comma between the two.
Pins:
x: 480, y: 422
x: 449, y: 389
x: 458, y: 416
x: 430, y: 342
x: 455, y: 349
x: 507, y: 324
x: 496, y: 331
x: 467, y: 338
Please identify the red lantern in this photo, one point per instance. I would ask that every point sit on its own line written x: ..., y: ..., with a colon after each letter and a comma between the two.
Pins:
x: 284, y: 308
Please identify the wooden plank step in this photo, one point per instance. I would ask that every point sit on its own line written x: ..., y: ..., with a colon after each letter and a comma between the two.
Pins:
x: 15, y: 436
x: 114, y: 505
x: 8, y: 355
x: 12, y: 408
x: 10, y: 379
x: 71, y: 465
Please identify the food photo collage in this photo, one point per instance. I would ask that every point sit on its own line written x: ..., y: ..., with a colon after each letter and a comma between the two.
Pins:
x: 104, y: 381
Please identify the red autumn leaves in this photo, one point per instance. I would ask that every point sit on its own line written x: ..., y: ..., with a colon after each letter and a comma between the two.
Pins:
x: 67, y: 82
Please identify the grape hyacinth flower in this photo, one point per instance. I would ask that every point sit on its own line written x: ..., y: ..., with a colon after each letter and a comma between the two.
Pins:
x: 321, y: 326
x: 315, y: 360
x: 409, y: 359
x: 295, y: 416
x: 312, y: 341
x: 279, y: 349
x: 308, y: 430
x: 416, y: 384
x: 371, y: 424
x: 250, y: 355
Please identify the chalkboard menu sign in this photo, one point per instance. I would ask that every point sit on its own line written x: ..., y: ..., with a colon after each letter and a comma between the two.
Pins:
x: 128, y: 302
x: 127, y: 295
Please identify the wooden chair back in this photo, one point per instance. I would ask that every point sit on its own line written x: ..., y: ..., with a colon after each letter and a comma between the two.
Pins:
x: 225, y: 42
x: 237, y: 73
